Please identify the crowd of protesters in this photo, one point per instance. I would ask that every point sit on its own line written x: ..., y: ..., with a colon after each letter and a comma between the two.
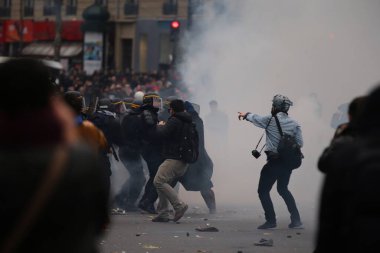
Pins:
x: 120, y: 85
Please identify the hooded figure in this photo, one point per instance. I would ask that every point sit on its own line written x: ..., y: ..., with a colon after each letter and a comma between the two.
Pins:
x: 198, y: 176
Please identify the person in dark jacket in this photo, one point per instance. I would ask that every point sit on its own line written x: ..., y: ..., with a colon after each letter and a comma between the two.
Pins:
x: 173, y: 167
x: 349, y: 214
x: 344, y: 135
x: 198, y: 176
x: 130, y: 155
x: 36, y: 130
x: 151, y: 149
x: 106, y: 120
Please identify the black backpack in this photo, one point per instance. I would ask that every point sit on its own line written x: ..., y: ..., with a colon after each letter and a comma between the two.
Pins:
x: 288, y: 149
x: 189, y: 143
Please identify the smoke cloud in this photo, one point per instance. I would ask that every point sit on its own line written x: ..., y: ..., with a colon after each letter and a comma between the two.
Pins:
x: 319, y: 53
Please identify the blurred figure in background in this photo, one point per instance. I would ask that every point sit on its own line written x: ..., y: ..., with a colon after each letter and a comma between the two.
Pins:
x: 217, y: 123
x: 344, y: 135
x: 350, y: 205
x: 52, y: 191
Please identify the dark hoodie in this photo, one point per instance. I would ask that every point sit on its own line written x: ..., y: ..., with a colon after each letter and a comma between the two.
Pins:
x: 171, y: 134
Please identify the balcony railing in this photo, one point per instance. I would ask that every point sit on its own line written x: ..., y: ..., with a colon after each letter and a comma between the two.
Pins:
x: 131, y: 9
x: 169, y: 9
x: 5, y: 12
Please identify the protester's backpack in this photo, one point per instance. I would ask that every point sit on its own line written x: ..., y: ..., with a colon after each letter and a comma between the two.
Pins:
x: 288, y: 148
x: 189, y: 143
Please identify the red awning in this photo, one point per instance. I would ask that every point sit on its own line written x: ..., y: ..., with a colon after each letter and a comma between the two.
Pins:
x: 12, y: 30
x: 44, y: 30
x: 71, y: 31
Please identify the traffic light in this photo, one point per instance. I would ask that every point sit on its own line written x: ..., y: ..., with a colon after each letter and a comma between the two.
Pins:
x: 175, y: 26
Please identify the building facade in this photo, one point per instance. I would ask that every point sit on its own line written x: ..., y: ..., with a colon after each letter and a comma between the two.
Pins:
x: 137, y: 37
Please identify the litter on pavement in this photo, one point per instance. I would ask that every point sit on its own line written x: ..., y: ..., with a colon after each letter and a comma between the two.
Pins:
x: 264, y: 242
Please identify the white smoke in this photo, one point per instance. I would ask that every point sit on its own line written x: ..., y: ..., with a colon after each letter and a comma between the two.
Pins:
x: 319, y: 53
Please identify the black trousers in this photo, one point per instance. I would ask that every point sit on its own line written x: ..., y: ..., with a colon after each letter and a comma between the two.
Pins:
x: 131, y: 189
x: 275, y: 170
x: 153, y: 160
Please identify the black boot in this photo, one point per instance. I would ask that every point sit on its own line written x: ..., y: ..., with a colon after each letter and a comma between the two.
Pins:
x: 209, y: 198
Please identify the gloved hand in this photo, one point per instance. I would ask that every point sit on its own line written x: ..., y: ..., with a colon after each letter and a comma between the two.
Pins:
x: 242, y: 115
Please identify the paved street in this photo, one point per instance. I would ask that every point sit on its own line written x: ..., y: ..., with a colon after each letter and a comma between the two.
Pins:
x: 134, y: 232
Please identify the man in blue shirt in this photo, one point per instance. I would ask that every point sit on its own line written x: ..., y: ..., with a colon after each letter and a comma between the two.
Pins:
x: 275, y: 169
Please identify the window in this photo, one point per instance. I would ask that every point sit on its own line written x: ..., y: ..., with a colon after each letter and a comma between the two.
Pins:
x: 5, y: 8
x: 6, y: 3
x: 102, y: 2
x: 170, y: 7
x: 28, y: 8
x: 49, y: 6
x: 131, y: 7
x: 71, y: 7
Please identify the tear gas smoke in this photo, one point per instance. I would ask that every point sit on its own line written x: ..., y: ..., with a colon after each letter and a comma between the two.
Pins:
x: 319, y: 53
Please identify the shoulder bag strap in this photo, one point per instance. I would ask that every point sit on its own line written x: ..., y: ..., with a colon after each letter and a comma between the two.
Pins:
x: 38, y: 201
x: 263, y: 135
x: 278, y: 125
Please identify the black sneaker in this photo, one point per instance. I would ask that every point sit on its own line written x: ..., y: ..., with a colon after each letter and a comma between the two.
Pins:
x: 267, y: 225
x: 296, y: 225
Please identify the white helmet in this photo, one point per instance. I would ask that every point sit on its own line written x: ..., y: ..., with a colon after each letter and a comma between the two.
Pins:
x: 281, y: 103
x: 139, y: 96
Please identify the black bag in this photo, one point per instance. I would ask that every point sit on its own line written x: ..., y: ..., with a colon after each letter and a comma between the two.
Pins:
x: 288, y: 149
x: 189, y: 143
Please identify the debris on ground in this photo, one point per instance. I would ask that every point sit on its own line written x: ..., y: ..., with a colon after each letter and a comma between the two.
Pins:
x: 205, y: 219
x: 187, y: 234
x: 289, y: 236
x: 118, y: 211
x: 148, y: 246
x: 298, y: 233
x: 264, y: 242
x: 207, y: 229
